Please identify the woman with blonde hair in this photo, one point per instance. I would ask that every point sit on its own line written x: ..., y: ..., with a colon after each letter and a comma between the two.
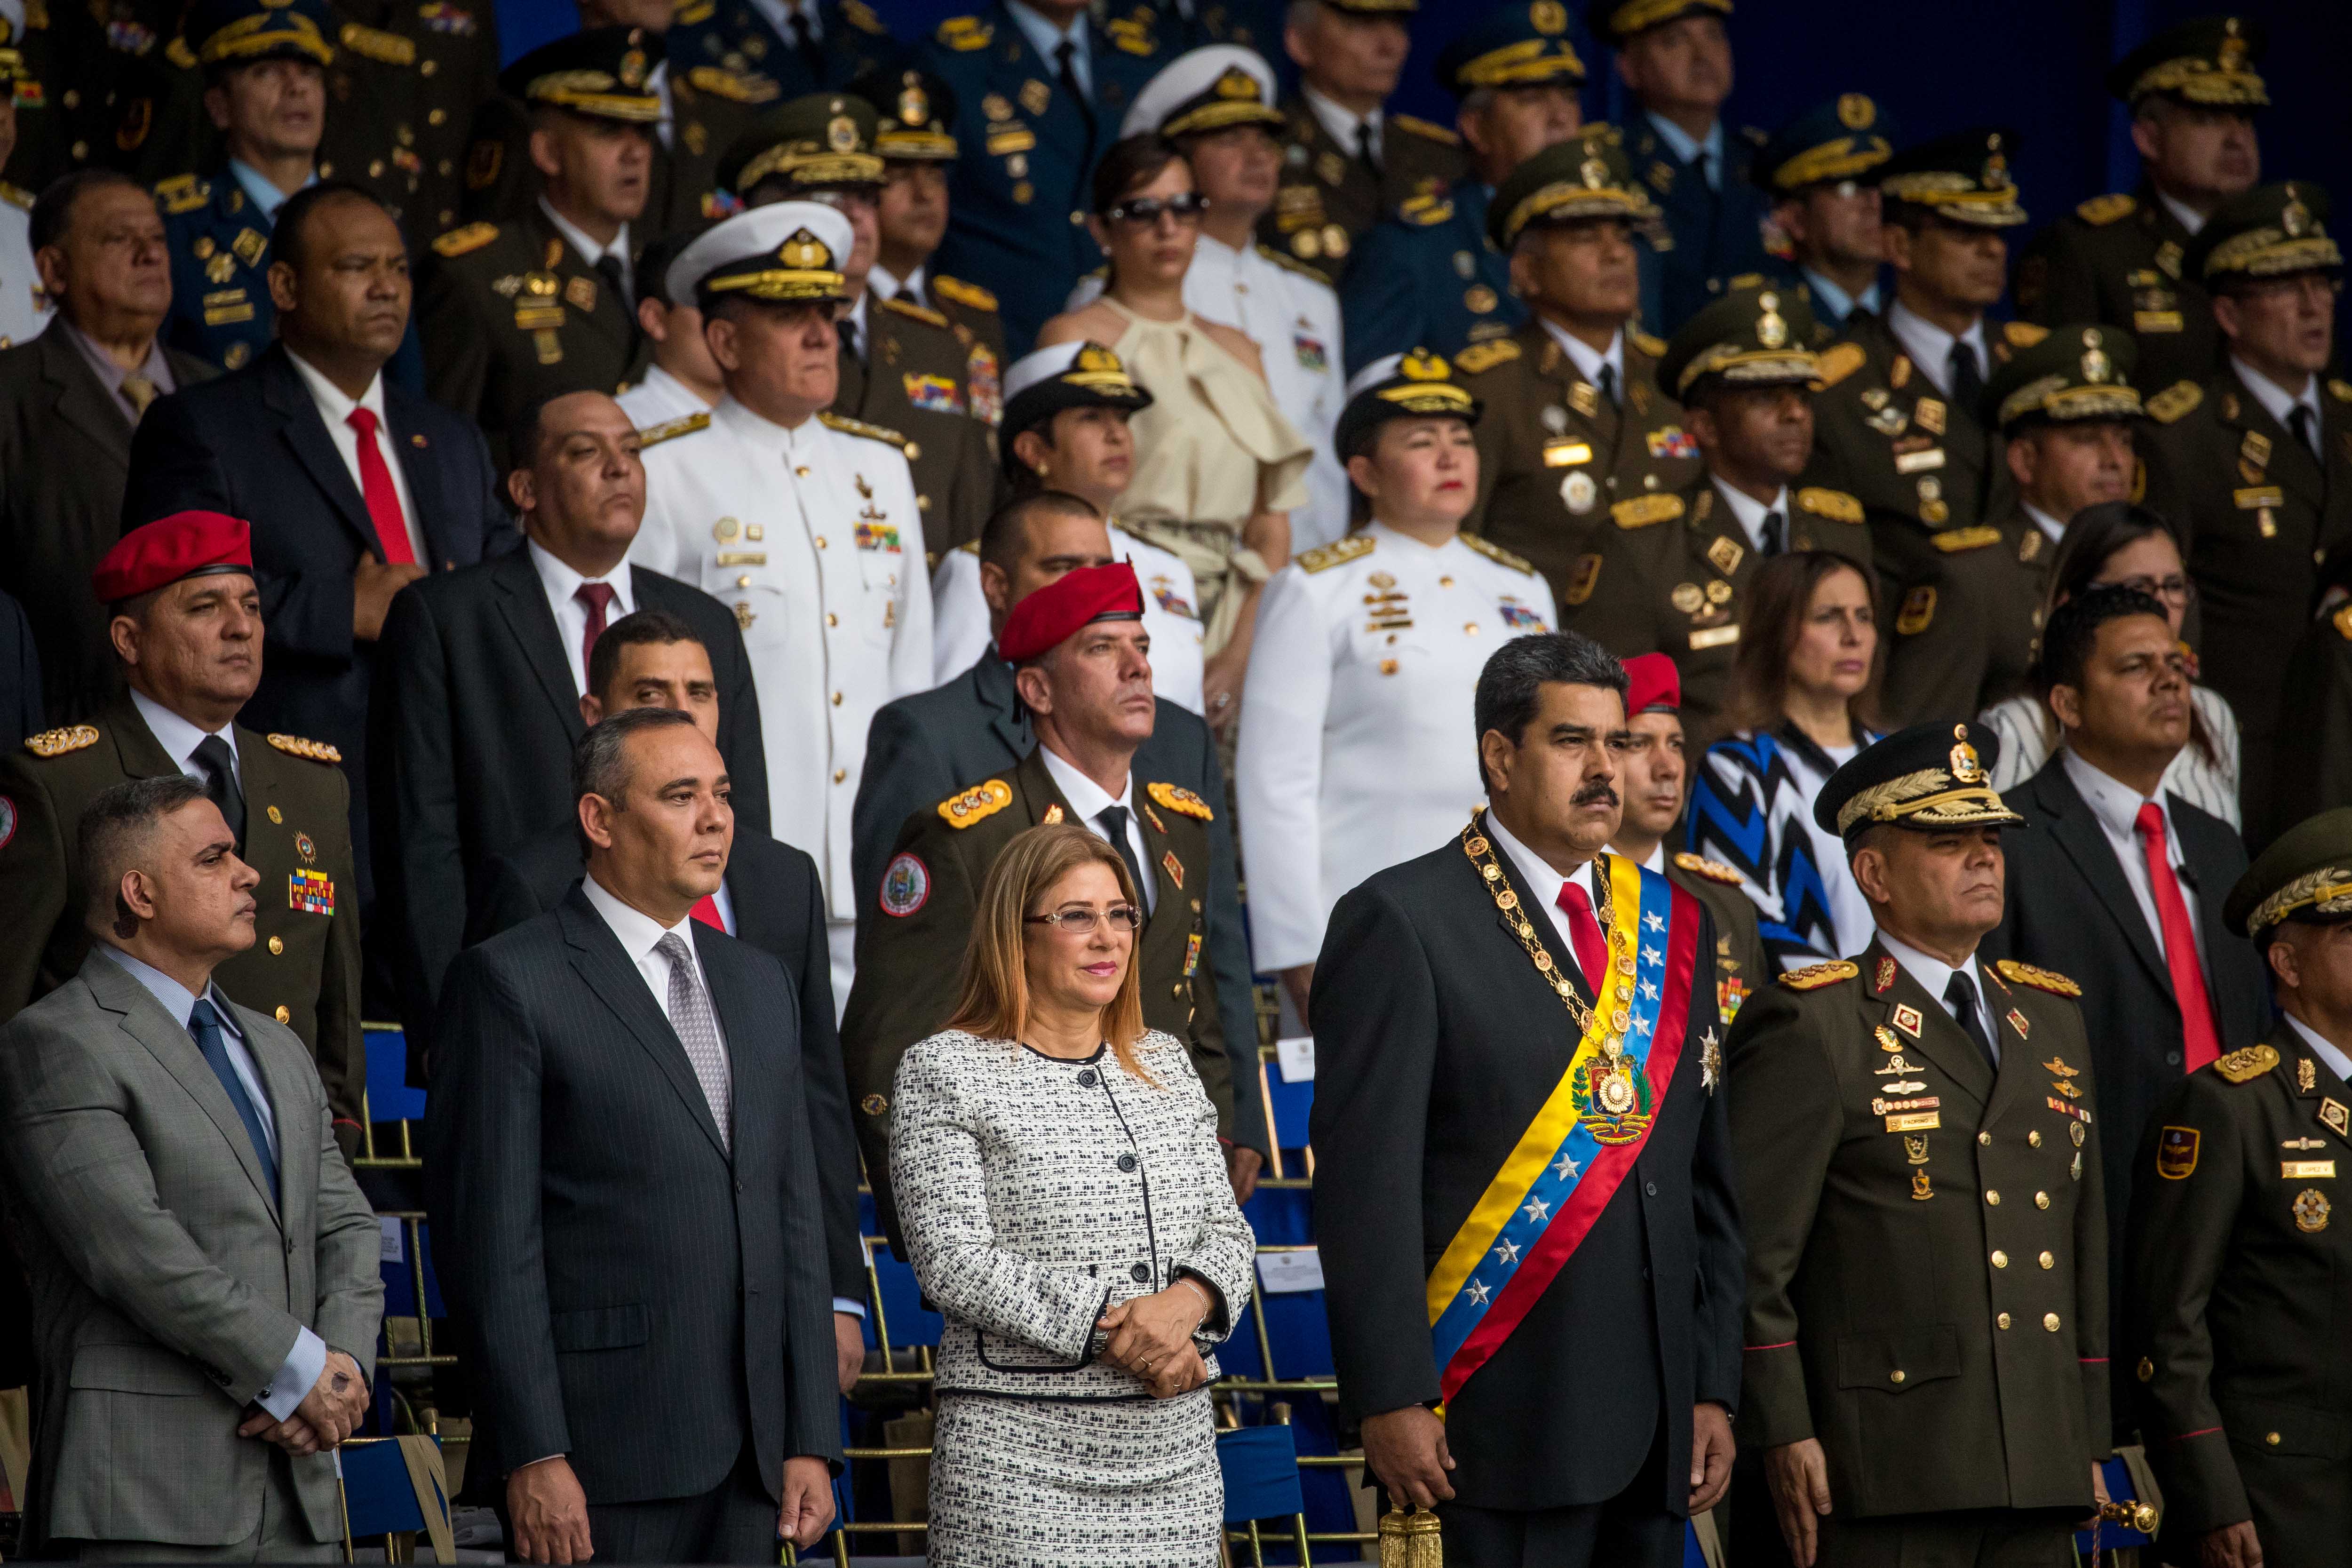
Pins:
x: 1065, y: 1205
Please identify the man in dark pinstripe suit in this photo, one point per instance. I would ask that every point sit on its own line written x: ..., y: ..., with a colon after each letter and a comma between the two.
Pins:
x: 625, y: 1197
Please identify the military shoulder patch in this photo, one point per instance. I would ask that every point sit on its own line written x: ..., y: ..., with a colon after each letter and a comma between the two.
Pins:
x: 1323, y: 557
x: 2246, y: 1064
x: 18, y: 197
x: 923, y: 313
x: 736, y: 87
x: 968, y: 806
x: 179, y: 53
x: 859, y: 427
x: 1951, y: 541
x: 1497, y: 555
x: 1419, y: 127
x: 963, y: 293
x: 861, y: 17
x: 2048, y: 980
x: 1292, y: 264
x: 2339, y: 390
x: 2102, y: 211
x: 2166, y: 407
x: 1814, y: 976
x: 1839, y: 361
x: 61, y: 742
x: 1654, y: 347
x: 2023, y: 334
x: 964, y: 34
x: 1177, y: 798
x: 462, y: 241
x: 668, y: 429
x: 2342, y: 621
x: 906, y: 885
x: 1700, y: 866
x: 2176, y: 1152
x: 1641, y: 511
x: 692, y: 13
x: 1835, y: 505
x: 1479, y: 358
x: 184, y: 192
x: 375, y: 44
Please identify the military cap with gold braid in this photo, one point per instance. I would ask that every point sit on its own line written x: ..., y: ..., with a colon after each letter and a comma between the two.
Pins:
x: 2305, y: 877
x: 785, y: 253
x: 245, y: 32
x: 2077, y: 373
x: 1399, y: 9
x: 1041, y: 384
x: 1844, y: 139
x: 1930, y: 777
x: 1214, y: 88
x: 2206, y: 61
x: 916, y: 112
x: 1750, y: 337
x: 1526, y: 45
x: 2267, y: 231
x: 1586, y: 176
x: 1417, y: 385
x: 1963, y: 178
x: 1615, y: 21
x: 820, y: 141
x: 601, y: 72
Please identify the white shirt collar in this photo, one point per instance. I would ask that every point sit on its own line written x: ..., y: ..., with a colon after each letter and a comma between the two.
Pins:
x: 1581, y: 354
x: 2187, y: 217
x: 764, y: 432
x: 561, y: 582
x: 778, y: 13
x: 180, y: 739
x: 638, y: 933
x: 2337, y: 1062
x: 2049, y: 525
x: 2115, y: 804
x: 2276, y: 400
x: 1087, y: 797
x: 334, y: 406
x: 261, y: 191
x: 1931, y: 347
x: 889, y: 285
x: 1750, y: 512
x: 1684, y: 147
x: 1536, y: 874
x: 1340, y: 123
x: 1841, y: 303
x: 1657, y: 860
x: 1933, y: 973
x: 577, y: 238
x: 1046, y: 37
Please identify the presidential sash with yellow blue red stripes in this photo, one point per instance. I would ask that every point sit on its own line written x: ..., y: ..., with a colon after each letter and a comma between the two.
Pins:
x: 1567, y: 1163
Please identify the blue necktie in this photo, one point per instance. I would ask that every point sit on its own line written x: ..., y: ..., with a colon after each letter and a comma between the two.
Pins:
x: 204, y: 1022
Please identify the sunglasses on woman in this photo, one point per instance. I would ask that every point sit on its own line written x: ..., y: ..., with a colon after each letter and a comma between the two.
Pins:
x: 1079, y: 921
x: 1185, y: 207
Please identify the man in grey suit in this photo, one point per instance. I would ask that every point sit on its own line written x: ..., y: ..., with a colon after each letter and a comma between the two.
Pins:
x: 626, y: 1205
x: 203, y: 1266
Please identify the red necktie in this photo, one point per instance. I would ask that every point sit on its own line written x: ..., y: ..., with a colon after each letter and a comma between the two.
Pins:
x: 1584, y: 932
x: 706, y: 909
x: 382, y: 497
x: 598, y: 598
x: 2200, y: 1041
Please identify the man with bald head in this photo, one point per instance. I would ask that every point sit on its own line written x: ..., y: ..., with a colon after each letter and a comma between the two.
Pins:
x: 477, y: 697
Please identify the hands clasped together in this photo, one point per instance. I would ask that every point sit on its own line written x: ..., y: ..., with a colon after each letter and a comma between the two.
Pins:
x: 330, y: 1413
x: 1151, y: 1336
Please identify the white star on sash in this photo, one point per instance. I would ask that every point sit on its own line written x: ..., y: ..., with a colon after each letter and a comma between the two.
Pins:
x: 1650, y: 955
x: 1653, y: 921
x: 1537, y: 1209
x: 1567, y: 1166
x: 1478, y: 1294
x: 1509, y: 1253
x: 1641, y: 1026
x: 1649, y: 991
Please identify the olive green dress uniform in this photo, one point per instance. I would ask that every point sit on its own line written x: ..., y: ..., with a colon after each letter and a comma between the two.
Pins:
x: 906, y: 960
x: 31, y: 83
x: 2313, y: 755
x: 1328, y: 196
x: 970, y: 311
x: 303, y: 967
x: 407, y: 79
x: 1740, y: 965
x: 913, y: 379
x: 127, y: 93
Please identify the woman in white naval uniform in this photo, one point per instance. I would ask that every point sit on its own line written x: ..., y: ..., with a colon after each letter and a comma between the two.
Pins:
x: 803, y: 524
x: 1356, y: 721
x: 1066, y: 429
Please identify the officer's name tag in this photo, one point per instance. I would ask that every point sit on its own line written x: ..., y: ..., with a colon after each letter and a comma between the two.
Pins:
x: 2259, y: 495
x: 1714, y: 636
x: 1566, y: 454
x: 743, y: 557
x: 2305, y: 1169
x: 1917, y: 1121
x: 1919, y: 462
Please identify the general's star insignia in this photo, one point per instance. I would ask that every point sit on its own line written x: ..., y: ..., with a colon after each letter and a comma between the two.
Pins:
x: 1650, y: 955
x: 1565, y: 1167
x: 1649, y: 991
x: 1509, y: 1253
x: 1478, y: 1294
x: 1654, y: 922
x: 1537, y: 1209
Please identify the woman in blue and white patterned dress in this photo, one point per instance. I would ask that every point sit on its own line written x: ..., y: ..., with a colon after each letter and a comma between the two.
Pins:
x: 1066, y: 1206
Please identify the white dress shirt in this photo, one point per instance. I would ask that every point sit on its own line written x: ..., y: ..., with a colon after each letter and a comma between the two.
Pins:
x: 303, y: 1365
x: 592, y: 252
x: 336, y: 409
x: 777, y: 14
x: 2051, y: 527
x: 1933, y: 974
x: 180, y: 739
x: 261, y: 189
x: 1340, y: 123
x: 560, y: 583
x: 1543, y: 885
x: 1088, y: 799
x: 1581, y: 354
x: 1931, y: 347
x: 658, y: 399
x: 657, y: 83
x: 2337, y: 1062
x: 1046, y: 38
x: 881, y: 280
x: 2116, y: 806
x: 2277, y: 401
x: 1750, y: 513
x: 1841, y: 303
x: 2188, y: 217
x: 1708, y: 148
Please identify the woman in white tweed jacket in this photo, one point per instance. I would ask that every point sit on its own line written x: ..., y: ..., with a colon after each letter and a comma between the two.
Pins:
x: 1065, y: 1205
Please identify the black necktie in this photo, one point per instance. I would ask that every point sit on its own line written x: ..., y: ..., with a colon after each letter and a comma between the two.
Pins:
x: 1364, y: 153
x: 1114, y: 823
x: 1967, y: 376
x: 1607, y: 382
x: 847, y: 327
x: 608, y: 267
x: 1776, y: 533
x: 2299, y: 420
x: 212, y: 755
x: 1961, y: 997
x: 811, y: 47
x: 204, y: 1024
x: 1066, y: 54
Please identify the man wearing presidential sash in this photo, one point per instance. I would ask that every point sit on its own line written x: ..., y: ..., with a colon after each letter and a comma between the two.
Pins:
x: 1524, y: 1191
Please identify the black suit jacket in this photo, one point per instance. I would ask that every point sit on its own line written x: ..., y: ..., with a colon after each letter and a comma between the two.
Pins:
x: 1436, y: 1044
x: 779, y: 909
x: 637, y: 1295
x: 252, y: 444
x: 471, y: 727
x: 923, y: 747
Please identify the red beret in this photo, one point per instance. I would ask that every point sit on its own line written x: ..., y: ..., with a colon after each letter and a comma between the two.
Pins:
x: 1652, y: 683
x: 185, y: 544
x: 1075, y: 599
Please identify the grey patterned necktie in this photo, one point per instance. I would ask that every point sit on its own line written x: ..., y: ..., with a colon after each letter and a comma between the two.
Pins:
x: 697, y: 1031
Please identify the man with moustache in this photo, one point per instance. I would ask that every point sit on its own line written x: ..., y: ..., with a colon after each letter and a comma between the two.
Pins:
x: 1516, y: 1129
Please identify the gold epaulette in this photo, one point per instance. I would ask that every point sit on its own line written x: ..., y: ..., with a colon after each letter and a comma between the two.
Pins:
x: 1835, y: 505
x: 15, y: 196
x: 184, y: 192
x: 1292, y: 264
x: 1838, y: 362
x: 1177, y: 798
x: 1700, y: 866
x: 1497, y: 555
x: 689, y: 13
x: 177, y: 51
x: 2246, y: 1064
x: 2342, y: 621
x: 859, y: 427
x: 61, y: 742
x: 861, y: 17
x: 970, y: 547
x: 1323, y: 557
x: 1814, y: 976
x: 1654, y: 347
x: 2339, y: 390
x: 1641, y: 511
x: 2023, y: 334
x: 684, y: 425
x: 965, y: 808
x: 968, y: 294
x: 375, y: 44
x: 923, y: 313
x: 461, y: 241
x: 1951, y: 541
x: 2102, y: 211
x: 308, y: 751
x: 2167, y: 406
x: 1430, y: 129
x: 2048, y: 980
x: 1426, y: 209
x: 736, y: 87
x: 1479, y: 358
x: 964, y: 34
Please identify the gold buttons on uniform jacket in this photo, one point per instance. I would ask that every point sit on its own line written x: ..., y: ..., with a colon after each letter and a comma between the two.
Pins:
x: 831, y: 619
x: 819, y: 541
x: 1177, y: 989
x: 1894, y: 1376
x: 274, y: 817
x: 2048, y: 1261
x: 2000, y: 1258
x: 276, y: 945
x: 2034, y: 1138
x: 745, y: 582
x: 2272, y: 1438
x: 2001, y: 1322
x: 1470, y: 628
x: 2147, y: 1369
x: 841, y: 773
x: 1984, y: 1137
x: 837, y: 700
x: 2050, y: 1321
x: 1992, y: 1197
x: 802, y: 472
x: 2042, y: 1200
x: 285, y: 1014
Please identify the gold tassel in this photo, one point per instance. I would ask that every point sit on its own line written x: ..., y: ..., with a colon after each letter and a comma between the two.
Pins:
x: 1411, y: 1540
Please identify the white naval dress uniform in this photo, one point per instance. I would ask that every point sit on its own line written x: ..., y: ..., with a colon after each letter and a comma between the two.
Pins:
x: 23, y: 307
x: 813, y: 538
x: 960, y: 632
x: 1293, y: 318
x: 658, y: 399
x: 1355, y: 749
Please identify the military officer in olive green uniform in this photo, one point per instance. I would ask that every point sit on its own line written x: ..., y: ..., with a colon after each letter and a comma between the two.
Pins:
x: 1578, y: 437
x: 182, y: 593
x: 2116, y: 259
x: 518, y: 313
x: 404, y: 89
x: 1898, y: 422
x: 908, y: 959
x: 2238, y: 1251
x: 2068, y: 414
x: 1820, y: 172
x: 1742, y: 370
x: 825, y: 44
x: 1926, y: 1348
